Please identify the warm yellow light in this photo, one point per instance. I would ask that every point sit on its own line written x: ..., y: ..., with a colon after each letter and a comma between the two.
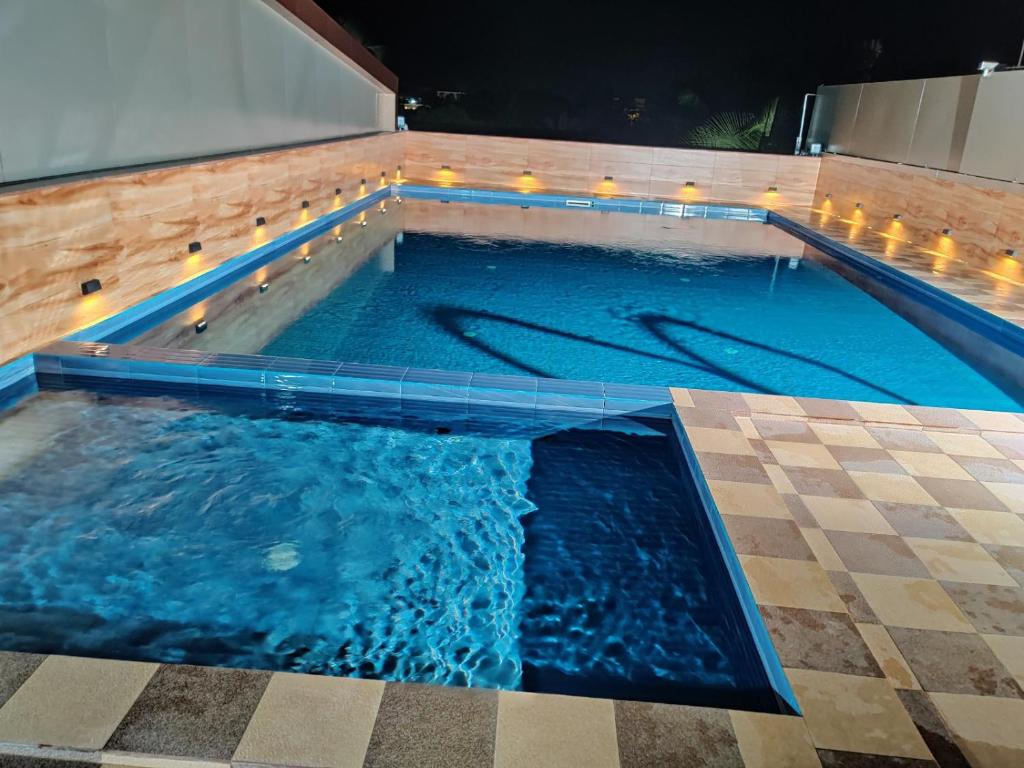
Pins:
x: 259, y: 236
x: 304, y: 250
x: 607, y: 187
x: 302, y: 218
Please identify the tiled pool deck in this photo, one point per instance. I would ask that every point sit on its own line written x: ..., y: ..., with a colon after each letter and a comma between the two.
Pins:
x: 884, y: 546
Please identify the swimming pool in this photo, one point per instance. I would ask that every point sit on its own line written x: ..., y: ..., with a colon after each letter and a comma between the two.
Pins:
x: 546, y: 552
x: 712, y: 305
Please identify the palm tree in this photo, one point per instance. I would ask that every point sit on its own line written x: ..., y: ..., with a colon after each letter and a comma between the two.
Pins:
x: 735, y: 130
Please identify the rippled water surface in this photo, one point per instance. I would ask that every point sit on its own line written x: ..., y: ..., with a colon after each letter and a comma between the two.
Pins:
x: 559, y: 557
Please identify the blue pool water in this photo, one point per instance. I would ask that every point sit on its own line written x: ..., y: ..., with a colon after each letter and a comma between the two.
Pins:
x: 673, y: 317
x: 546, y: 556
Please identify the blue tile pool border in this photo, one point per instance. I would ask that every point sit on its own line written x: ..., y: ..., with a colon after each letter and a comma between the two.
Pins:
x: 17, y: 381
x: 769, y: 657
x: 583, y: 203
x: 79, y: 363
x: 995, y: 329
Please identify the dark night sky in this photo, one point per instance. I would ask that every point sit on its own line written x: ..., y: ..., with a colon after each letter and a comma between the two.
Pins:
x: 732, y: 55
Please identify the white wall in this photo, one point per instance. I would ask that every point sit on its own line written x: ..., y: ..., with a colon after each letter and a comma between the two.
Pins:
x: 93, y: 84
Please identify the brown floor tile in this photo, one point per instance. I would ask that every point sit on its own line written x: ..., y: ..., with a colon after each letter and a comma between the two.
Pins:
x: 820, y: 640
x: 888, y: 656
x: 15, y: 669
x: 1011, y: 558
x: 767, y: 537
x: 779, y: 480
x: 866, y: 460
x: 992, y: 470
x: 723, y: 466
x: 922, y: 521
x: 722, y: 401
x: 831, y: 758
x: 834, y: 483
x: 761, y: 450
x: 876, y: 553
x: 954, y: 662
x: 795, y: 431
x: 932, y: 729
x: 798, y: 510
x: 432, y: 726
x: 856, y: 604
x: 827, y: 409
x: 198, y: 712
x: 961, y: 494
x: 710, y: 419
x: 903, y: 439
x: 661, y: 735
x: 991, y: 609
x: 822, y: 549
x: 940, y: 417
x: 1010, y: 651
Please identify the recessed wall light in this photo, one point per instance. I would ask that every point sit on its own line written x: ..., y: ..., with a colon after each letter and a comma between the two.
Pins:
x: 398, y: 167
x: 527, y: 173
x: 947, y: 231
x: 828, y: 195
x: 264, y: 287
x: 859, y: 206
x: 201, y: 326
x: 305, y: 203
x: 446, y: 167
x: 773, y: 188
x: 261, y: 221
x: 897, y: 216
x: 690, y: 184
x: 91, y: 286
x: 609, y: 178
x: 195, y: 247
x: 337, y: 191
x: 383, y: 174
x: 362, y: 181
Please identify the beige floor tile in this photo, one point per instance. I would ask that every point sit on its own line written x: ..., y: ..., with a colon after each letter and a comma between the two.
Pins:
x: 129, y: 760
x: 885, y: 413
x: 1009, y: 649
x: 901, y: 489
x: 930, y: 465
x: 747, y: 428
x: 888, y: 656
x: 989, y: 729
x: 802, y: 455
x: 959, y: 561
x: 708, y: 440
x: 750, y: 499
x: 994, y: 420
x: 959, y: 444
x: 73, y: 702
x: 856, y: 714
x: 854, y: 515
x: 778, y: 477
x: 988, y: 527
x: 681, y: 397
x: 791, y: 583
x: 311, y: 720
x: 768, y: 741
x: 846, y: 435
x: 826, y: 555
x: 775, y: 404
x: 1011, y: 494
x: 916, y: 603
x: 550, y: 731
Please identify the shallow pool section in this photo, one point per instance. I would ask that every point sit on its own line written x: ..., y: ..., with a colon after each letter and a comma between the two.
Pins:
x: 543, y: 552
x: 658, y: 305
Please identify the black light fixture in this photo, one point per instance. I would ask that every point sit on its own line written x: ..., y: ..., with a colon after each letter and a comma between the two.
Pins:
x: 690, y: 184
x: 446, y: 167
x: 264, y: 287
x: 828, y: 195
x: 337, y: 191
x: 398, y: 168
x: 91, y: 286
x: 1013, y: 253
x: 306, y: 259
x: 527, y: 172
x: 773, y: 188
x: 305, y: 203
x: 609, y: 178
x: 947, y: 231
x: 201, y: 326
x: 195, y: 247
x: 897, y: 216
x: 859, y: 205
x: 383, y: 174
x: 362, y: 181
x: 261, y: 221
